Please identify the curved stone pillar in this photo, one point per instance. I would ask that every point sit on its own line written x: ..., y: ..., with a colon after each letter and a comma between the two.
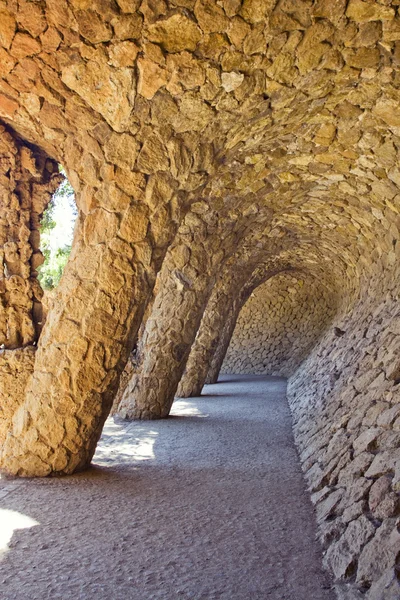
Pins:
x: 218, y: 324
x: 239, y: 278
x: 84, y: 344
x: 217, y: 358
x: 203, y: 349
x: 166, y: 343
x: 204, y: 242
x: 219, y: 307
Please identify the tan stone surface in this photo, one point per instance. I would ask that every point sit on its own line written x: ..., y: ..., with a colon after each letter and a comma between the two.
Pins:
x: 345, y: 403
x: 204, y: 240
x: 241, y: 275
x: 16, y: 366
x: 27, y: 180
x: 279, y: 325
x: 141, y: 104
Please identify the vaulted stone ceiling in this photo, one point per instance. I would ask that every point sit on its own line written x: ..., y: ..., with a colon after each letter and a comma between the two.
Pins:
x: 211, y: 146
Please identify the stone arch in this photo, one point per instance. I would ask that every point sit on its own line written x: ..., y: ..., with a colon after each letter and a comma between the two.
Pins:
x: 205, y: 241
x: 280, y: 110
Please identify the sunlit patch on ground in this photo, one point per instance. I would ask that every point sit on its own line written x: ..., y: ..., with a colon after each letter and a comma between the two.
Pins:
x: 10, y: 521
x: 134, y: 442
x: 117, y: 441
x: 186, y: 409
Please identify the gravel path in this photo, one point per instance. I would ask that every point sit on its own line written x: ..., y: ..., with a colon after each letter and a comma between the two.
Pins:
x: 205, y: 505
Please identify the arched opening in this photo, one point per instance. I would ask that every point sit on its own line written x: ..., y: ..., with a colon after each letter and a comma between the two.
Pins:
x: 28, y: 180
x: 56, y: 233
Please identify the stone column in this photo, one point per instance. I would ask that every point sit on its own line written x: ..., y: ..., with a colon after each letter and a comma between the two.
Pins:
x: 166, y: 343
x: 204, y: 240
x: 261, y: 274
x: 222, y: 300
x: 220, y: 317
x: 85, y: 341
x: 223, y: 342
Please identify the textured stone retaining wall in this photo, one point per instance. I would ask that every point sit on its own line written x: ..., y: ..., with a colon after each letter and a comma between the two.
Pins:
x: 279, y: 324
x: 346, y: 408
x: 27, y: 180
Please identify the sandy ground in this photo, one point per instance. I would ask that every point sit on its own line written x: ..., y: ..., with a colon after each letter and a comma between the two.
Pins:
x: 207, y: 504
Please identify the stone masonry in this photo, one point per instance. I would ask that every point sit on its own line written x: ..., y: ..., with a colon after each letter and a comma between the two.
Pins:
x: 28, y: 178
x: 209, y: 141
x: 346, y: 409
x: 231, y: 290
x: 279, y: 324
x: 150, y: 109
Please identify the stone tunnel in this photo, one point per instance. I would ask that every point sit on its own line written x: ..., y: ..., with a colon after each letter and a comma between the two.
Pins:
x: 236, y: 171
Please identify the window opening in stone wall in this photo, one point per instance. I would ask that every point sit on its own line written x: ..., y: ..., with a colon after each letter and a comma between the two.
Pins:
x: 56, y: 233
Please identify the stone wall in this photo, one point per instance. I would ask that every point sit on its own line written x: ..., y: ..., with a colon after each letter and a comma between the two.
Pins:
x: 27, y: 180
x: 346, y: 409
x: 28, y: 177
x: 279, y: 324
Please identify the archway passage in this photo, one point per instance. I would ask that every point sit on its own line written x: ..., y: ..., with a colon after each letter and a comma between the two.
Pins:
x: 243, y: 111
x: 208, y: 504
x: 211, y: 146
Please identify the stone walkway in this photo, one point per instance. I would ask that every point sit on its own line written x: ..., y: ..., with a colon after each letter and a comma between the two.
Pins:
x: 205, y: 505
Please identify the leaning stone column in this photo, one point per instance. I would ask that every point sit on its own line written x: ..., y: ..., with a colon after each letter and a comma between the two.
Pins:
x: 218, y: 357
x: 203, y: 350
x: 219, y: 307
x: 166, y: 343
x: 187, y: 277
x: 85, y: 341
x: 220, y: 316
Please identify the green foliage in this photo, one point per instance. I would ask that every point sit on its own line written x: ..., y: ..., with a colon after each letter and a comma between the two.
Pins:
x: 65, y: 190
x: 52, y: 269
x: 56, y: 252
x: 47, y: 223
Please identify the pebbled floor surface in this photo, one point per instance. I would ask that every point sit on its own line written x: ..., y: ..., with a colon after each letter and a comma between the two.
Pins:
x: 208, y: 504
